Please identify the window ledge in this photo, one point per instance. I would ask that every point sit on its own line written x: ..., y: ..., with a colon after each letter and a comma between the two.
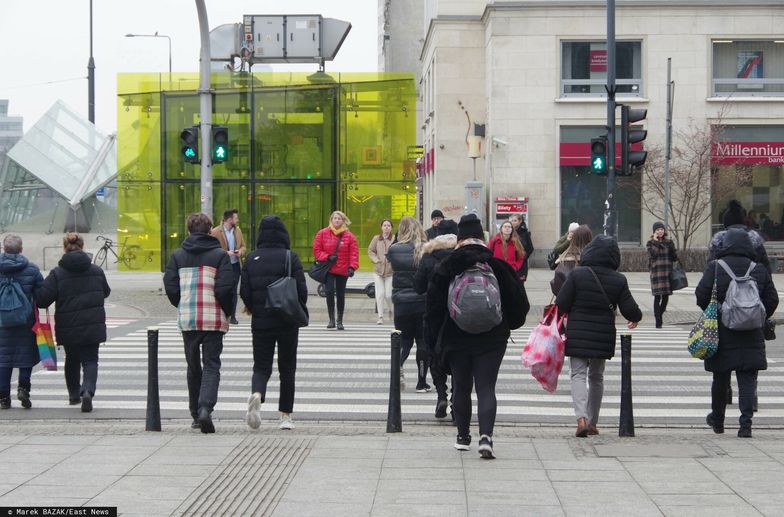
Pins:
x: 601, y: 100
x: 745, y: 99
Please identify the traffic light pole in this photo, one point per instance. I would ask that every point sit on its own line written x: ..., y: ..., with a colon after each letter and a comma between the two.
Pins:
x: 205, y: 102
x: 610, y: 216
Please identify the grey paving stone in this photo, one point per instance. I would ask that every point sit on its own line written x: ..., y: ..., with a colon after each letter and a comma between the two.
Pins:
x: 198, y: 471
x: 601, y: 492
x: 583, y: 475
x: 433, y: 485
x: 406, y: 443
x: 359, y: 453
x: 495, y: 510
x: 661, y: 470
x: 194, y: 458
x: 359, y: 442
x: 155, y: 481
x: 650, y: 450
x: 422, y: 474
x: 712, y: 511
x: 63, y: 479
x: 75, y: 466
x: 22, y: 466
x: 331, y: 490
x: 727, y: 464
x: 416, y: 497
x: 420, y: 510
x: 448, y: 460
x: 590, y: 464
x: 7, y: 487
x: 126, y: 505
x: 492, y: 473
x: 11, y: 438
x: 196, y: 438
x: 297, y: 509
x: 535, y: 493
x: 139, y: 440
x: 698, y: 500
x: 64, y: 439
x: 73, y: 491
x: 643, y: 509
x: 685, y: 486
x: 137, y: 487
x: 474, y: 462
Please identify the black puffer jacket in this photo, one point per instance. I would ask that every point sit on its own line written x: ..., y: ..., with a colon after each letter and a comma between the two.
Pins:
x: 590, y: 330
x: 445, y: 227
x: 433, y: 252
x: 264, y: 266
x: 738, y: 349
x: 405, y: 299
x: 17, y: 344
x: 757, y: 243
x: 514, y: 303
x: 78, y: 288
x: 528, y: 246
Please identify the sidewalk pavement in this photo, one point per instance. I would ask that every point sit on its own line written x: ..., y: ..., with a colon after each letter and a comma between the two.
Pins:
x: 358, y: 470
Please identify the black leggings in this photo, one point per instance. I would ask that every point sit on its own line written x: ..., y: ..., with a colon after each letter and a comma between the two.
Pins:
x: 335, y: 284
x: 411, y: 329
x: 747, y: 383
x: 481, y: 369
x: 660, y: 304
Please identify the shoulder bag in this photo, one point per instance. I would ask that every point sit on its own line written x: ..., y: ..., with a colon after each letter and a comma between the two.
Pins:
x: 319, y: 270
x: 704, y: 336
x: 678, y: 278
x: 610, y: 305
x: 283, y: 298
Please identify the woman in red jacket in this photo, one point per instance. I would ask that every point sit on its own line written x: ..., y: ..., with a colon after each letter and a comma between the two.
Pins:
x: 506, y: 246
x: 339, y: 246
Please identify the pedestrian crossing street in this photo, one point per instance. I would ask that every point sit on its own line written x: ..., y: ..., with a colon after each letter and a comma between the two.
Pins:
x: 343, y: 376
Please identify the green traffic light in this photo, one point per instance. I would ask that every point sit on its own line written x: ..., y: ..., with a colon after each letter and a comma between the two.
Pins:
x: 598, y: 164
x: 220, y: 152
x: 189, y: 152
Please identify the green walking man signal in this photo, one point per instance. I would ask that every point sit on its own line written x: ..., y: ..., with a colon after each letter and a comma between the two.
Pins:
x: 220, y: 144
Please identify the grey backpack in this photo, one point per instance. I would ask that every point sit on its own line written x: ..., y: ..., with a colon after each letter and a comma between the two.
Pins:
x: 475, y: 299
x: 742, y: 308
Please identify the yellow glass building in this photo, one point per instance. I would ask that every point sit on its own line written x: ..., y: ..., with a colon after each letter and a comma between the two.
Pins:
x: 300, y: 146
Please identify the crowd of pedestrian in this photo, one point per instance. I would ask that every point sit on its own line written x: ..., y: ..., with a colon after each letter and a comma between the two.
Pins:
x: 453, y: 293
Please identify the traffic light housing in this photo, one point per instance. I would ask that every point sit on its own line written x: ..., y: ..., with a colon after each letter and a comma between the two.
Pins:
x: 190, y: 144
x: 599, y: 155
x: 220, y: 144
x: 629, y: 136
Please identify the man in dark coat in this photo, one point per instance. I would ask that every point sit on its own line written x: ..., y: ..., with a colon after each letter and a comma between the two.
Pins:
x: 474, y: 359
x: 199, y: 281
x: 740, y: 350
x: 78, y: 288
x: 734, y: 216
x: 590, y: 302
x: 440, y: 225
x: 262, y: 267
x: 17, y: 344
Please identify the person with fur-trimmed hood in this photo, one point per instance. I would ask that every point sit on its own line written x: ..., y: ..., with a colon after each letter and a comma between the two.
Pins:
x: 433, y: 252
x: 734, y: 216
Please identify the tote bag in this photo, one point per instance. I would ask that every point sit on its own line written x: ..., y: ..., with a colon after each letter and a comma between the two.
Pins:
x: 283, y: 298
x: 45, y: 342
x: 678, y: 278
x: 544, y: 351
x: 704, y: 336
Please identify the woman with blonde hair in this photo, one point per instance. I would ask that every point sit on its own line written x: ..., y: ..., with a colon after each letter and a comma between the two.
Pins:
x: 506, y: 246
x: 78, y: 288
x: 404, y: 257
x: 337, y: 245
x: 579, y: 238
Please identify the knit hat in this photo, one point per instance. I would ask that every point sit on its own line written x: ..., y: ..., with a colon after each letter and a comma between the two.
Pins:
x: 436, y: 213
x: 657, y: 225
x: 470, y: 227
x: 734, y: 214
x: 573, y: 226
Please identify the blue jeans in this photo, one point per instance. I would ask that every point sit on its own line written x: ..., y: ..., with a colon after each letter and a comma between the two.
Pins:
x: 5, y: 378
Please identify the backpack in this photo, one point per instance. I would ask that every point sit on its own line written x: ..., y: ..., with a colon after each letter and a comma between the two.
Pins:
x: 742, y: 308
x: 15, y: 306
x: 475, y: 299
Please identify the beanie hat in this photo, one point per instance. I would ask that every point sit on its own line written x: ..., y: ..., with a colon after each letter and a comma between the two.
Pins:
x: 573, y: 226
x: 657, y: 225
x: 734, y: 214
x: 436, y: 213
x: 470, y: 227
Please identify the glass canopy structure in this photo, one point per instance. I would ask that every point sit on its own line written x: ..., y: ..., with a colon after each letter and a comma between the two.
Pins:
x: 300, y: 146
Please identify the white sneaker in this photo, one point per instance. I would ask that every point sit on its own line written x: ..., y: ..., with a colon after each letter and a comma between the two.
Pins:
x: 380, y: 321
x: 253, y: 416
x: 285, y: 422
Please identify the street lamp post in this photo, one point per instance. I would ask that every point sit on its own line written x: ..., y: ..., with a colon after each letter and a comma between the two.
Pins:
x: 156, y: 35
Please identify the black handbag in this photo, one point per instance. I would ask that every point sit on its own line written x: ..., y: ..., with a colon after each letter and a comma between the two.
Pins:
x: 769, y: 329
x: 551, y: 258
x: 283, y: 298
x: 319, y: 270
x: 678, y: 278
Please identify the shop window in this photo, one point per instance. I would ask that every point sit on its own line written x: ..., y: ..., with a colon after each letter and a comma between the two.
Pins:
x: 584, y: 68
x: 748, y: 68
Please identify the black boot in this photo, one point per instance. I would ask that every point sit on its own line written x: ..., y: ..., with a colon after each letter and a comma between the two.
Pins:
x: 331, y: 324
x: 23, y: 394
x: 5, y: 400
x: 340, y: 322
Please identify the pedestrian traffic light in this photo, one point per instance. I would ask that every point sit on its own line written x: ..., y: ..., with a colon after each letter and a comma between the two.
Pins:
x: 599, y: 155
x: 190, y: 144
x: 220, y: 144
x: 629, y: 135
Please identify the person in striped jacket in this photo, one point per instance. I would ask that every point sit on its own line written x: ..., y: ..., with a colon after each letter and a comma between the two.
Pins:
x: 199, y: 282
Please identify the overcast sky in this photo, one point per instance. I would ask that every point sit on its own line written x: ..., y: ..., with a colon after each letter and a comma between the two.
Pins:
x: 48, y: 40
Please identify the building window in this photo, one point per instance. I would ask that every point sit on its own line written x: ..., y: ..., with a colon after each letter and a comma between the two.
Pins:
x: 584, y: 68
x: 748, y: 68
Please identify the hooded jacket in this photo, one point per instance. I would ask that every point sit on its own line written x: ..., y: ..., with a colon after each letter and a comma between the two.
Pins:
x: 590, y: 329
x: 433, y: 252
x: 757, y: 244
x: 199, y: 281
x: 738, y: 349
x: 78, y: 288
x: 406, y: 300
x: 266, y: 265
x: 440, y: 330
x: 17, y: 344
x: 348, y: 255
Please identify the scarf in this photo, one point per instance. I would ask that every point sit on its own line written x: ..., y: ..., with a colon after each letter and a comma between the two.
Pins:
x: 337, y: 231
x: 471, y: 240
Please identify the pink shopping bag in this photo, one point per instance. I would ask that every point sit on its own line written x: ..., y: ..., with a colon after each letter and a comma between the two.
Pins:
x: 544, y: 351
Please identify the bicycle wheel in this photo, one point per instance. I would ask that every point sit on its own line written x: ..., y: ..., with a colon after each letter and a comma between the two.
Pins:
x: 100, y: 258
x: 130, y: 256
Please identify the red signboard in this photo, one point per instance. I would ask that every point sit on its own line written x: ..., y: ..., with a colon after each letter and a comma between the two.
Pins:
x: 598, y: 60
x: 578, y: 154
x: 511, y: 208
x: 747, y: 153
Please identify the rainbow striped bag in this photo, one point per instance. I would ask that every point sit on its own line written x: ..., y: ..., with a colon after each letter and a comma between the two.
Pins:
x: 45, y: 341
x: 704, y: 336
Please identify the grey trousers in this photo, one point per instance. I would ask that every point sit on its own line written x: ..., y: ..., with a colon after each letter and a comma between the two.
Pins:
x: 587, y: 387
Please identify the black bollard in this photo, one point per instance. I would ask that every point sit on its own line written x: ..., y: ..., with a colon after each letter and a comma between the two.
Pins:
x: 153, y: 398
x: 626, y: 425
x: 394, y: 418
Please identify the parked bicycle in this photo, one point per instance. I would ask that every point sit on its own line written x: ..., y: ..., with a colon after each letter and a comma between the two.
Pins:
x: 128, y: 253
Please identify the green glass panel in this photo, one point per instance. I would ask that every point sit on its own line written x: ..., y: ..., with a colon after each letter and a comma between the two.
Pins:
x: 367, y: 204
x: 182, y: 199
x: 303, y: 207
x: 138, y: 226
